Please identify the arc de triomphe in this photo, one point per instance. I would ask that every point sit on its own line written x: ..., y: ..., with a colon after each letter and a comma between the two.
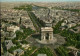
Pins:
x: 47, y: 33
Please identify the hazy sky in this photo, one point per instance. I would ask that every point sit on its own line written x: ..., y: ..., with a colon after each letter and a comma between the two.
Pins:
x: 40, y: 0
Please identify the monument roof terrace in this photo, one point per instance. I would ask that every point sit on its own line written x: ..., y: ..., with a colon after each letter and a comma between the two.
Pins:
x: 46, y: 29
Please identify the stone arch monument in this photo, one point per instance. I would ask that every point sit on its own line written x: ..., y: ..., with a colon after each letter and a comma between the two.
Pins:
x: 46, y: 33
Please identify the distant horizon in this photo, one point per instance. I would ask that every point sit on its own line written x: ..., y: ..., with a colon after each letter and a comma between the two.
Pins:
x: 39, y: 0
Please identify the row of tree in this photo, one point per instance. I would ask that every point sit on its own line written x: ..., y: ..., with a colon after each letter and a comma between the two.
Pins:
x: 43, y: 50
x: 71, y: 38
x: 62, y: 51
x: 57, y: 27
